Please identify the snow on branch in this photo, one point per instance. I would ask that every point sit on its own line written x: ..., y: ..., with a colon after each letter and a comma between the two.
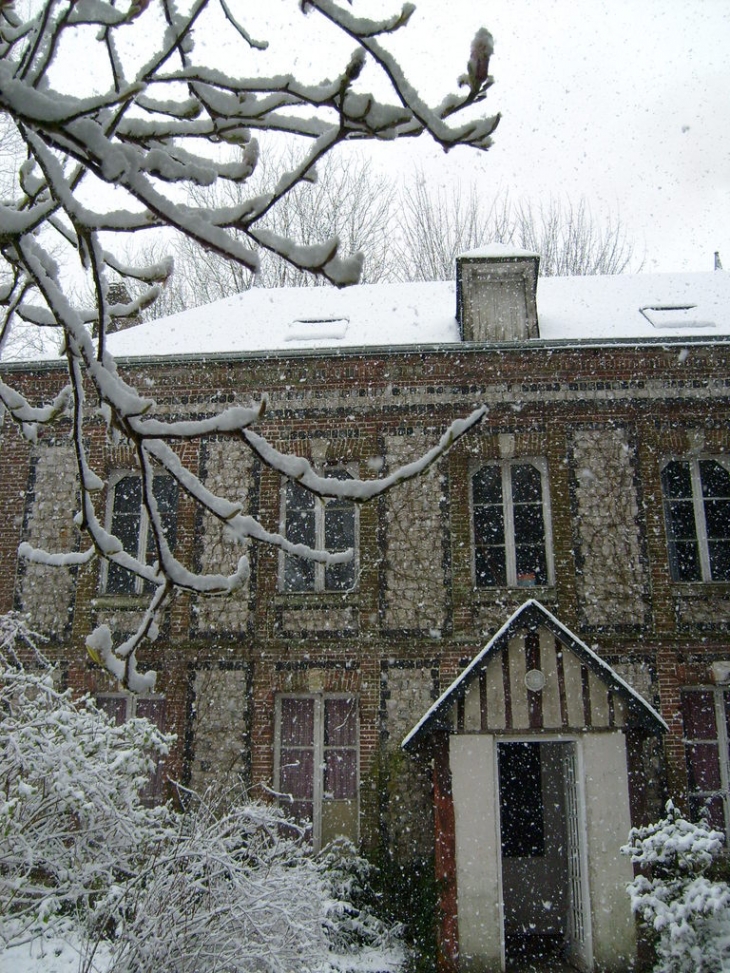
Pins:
x: 163, y: 122
x: 299, y: 469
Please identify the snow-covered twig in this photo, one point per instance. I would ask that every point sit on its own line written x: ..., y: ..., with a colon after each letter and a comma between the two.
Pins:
x: 150, y: 130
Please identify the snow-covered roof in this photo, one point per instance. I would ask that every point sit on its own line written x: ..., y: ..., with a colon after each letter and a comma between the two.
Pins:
x: 641, y: 307
x: 530, y: 615
x: 624, y: 308
x: 496, y: 251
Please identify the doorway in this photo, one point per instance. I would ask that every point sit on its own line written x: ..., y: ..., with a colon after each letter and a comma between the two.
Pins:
x: 544, y: 890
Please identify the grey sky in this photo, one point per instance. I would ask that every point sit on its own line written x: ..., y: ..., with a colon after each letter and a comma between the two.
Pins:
x: 626, y: 102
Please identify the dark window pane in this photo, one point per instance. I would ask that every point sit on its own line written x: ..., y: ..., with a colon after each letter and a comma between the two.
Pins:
x: 128, y: 496
x: 339, y: 528
x: 715, y: 479
x: 340, y: 577
x: 681, y: 520
x: 717, y: 518
x: 710, y: 808
x: 340, y: 722
x: 297, y: 722
x: 164, y: 489
x: 487, y: 485
x: 165, y: 492
x: 300, y: 527
x: 300, y: 811
x: 529, y: 527
x: 531, y: 565
x: 719, y: 552
x: 526, y: 484
x: 296, y: 773
x: 677, y: 480
x: 703, y: 766
x: 298, y: 574
x: 125, y: 525
x: 490, y: 567
x: 115, y: 707
x: 489, y: 525
x: 154, y: 711
x: 684, y: 562
x: 297, y: 498
x: 698, y: 715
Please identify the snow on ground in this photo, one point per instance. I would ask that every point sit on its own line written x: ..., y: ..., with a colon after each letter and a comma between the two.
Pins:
x: 56, y: 955
x: 53, y: 955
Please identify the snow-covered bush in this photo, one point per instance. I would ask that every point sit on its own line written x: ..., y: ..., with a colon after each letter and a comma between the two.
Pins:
x: 226, y: 886
x: 238, y: 890
x: 72, y: 824
x: 688, y: 911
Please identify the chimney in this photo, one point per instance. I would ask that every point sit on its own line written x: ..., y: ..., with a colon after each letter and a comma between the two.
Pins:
x: 495, y: 294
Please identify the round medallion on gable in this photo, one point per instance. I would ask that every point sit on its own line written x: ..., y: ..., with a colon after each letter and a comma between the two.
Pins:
x: 535, y: 680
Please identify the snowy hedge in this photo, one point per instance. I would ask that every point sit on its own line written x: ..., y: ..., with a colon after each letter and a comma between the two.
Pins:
x: 229, y: 888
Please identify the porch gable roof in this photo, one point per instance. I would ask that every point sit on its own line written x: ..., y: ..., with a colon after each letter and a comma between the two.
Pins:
x: 531, y: 616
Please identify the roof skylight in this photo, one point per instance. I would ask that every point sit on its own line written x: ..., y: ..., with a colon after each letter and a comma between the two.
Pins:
x: 317, y: 329
x: 674, y: 316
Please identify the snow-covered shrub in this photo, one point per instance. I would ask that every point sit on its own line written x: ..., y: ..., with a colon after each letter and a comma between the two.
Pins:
x: 72, y: 824
x: 227, y: 886
x: 238, y: 890
x: 688, y: 911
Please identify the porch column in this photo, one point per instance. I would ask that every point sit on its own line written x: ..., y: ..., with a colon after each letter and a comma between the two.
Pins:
x: 474, y: 787
x: 608, y: 821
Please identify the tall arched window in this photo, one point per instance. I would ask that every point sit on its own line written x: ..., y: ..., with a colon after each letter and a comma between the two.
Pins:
x: 329, y: 525
x: 511, y: 525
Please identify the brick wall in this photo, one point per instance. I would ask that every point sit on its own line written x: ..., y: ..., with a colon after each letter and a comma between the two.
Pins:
x: 603, y: 419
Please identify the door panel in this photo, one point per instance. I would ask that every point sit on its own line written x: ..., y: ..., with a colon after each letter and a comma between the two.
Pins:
x: 579, y: 917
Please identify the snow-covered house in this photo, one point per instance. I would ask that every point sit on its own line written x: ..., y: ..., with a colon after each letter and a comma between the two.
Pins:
x: 529, y: 650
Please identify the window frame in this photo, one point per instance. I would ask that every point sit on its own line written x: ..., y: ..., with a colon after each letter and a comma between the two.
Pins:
x: 320, y: 508
x: 700, y: 521
x: 153, y: 792
x: 721, y: 709
x: 117, y: 477
x: 505, y: 466
x: 319, y: 748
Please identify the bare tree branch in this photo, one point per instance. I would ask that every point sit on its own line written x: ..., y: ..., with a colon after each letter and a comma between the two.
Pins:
x: 153, y: 132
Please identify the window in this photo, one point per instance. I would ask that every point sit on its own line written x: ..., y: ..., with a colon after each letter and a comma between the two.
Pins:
x: 128, y: 520
x: 329, y: 525
x: 706, y: 717
x: 122, y: 707
x: 511, y: 526
x: 697, y: 515
x: 317, y: 763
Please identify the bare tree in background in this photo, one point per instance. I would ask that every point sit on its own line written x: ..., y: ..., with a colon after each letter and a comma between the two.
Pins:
x: 571, y: 241
x: 435, y: 227
x: 348, y: 199
x: 151, y: 132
